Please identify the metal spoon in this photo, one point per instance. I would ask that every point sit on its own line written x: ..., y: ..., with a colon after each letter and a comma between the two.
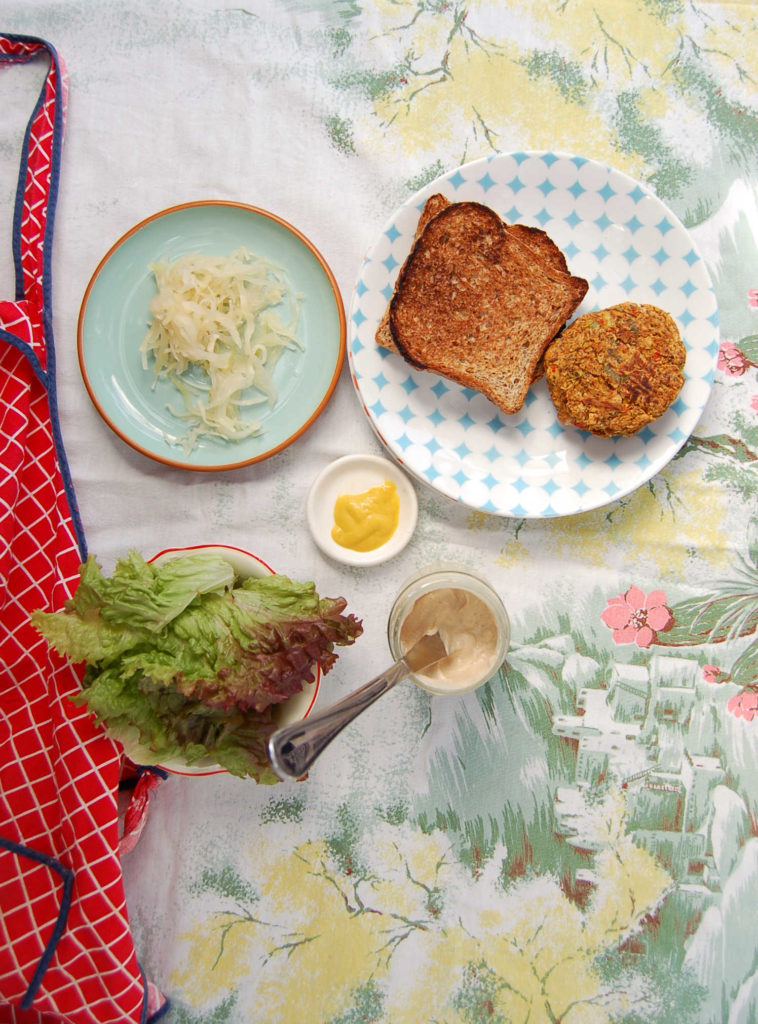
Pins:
x: 293, y: 749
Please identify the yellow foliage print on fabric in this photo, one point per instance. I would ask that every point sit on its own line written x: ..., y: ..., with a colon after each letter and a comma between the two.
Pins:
x: 471, y: 78
x: 319, y: 931
x: 664, y: 536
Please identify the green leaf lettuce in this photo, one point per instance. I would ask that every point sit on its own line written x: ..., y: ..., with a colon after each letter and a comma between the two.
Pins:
x: 194, y: 658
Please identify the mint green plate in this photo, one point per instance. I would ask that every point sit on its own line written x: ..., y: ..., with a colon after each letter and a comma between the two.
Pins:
x: 115, y: 316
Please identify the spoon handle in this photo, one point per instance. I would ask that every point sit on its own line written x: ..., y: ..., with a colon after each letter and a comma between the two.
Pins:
x: 293, y: 749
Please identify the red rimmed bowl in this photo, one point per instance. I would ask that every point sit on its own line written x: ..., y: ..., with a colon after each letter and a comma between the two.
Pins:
x: 299, y: 706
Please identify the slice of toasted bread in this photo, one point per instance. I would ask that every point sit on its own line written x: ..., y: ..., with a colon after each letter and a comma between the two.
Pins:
x: 540, y: 245
x: 473, y: 304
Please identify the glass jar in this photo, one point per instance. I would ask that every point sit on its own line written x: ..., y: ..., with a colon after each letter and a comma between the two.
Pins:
x: 471, y: 617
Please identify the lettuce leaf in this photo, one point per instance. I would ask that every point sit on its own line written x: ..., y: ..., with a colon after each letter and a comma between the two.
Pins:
x: 194, y: 658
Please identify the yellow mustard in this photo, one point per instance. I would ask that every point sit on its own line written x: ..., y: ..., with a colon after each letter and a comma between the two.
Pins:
x: 363, y: 522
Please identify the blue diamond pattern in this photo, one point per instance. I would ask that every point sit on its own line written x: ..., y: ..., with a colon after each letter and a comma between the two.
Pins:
x: 509, y: 427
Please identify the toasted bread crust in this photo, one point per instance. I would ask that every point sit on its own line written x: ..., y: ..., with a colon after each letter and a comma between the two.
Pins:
x: 472, y: 304
x: 432, y: 207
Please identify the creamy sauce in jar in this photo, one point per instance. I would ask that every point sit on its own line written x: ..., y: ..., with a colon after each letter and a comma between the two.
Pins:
x: 468, y: 629
x: 363, y: 522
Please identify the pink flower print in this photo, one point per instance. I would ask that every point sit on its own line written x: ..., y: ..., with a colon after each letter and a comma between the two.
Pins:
x: 744, y: 704
x: 752, y: 297
x: 712, y: 674
x: 754, y: 403
x: 732, y: 360
x: 635, y: 617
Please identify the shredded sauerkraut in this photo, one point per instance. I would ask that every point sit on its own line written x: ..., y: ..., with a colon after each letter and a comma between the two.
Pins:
x: 217, y: 335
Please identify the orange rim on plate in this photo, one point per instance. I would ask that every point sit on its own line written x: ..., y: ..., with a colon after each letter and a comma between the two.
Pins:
x: 114, y: 316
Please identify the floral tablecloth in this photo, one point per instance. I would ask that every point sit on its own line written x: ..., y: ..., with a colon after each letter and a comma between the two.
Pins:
x: 578, y: 840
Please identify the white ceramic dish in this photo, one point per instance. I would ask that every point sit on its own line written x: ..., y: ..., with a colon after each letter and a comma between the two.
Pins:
x: 354, y: 474
x: 299, y: 706
x: 629, y: 246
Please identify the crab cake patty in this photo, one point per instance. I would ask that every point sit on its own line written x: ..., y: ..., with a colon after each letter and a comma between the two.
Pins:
x: 613, y: 371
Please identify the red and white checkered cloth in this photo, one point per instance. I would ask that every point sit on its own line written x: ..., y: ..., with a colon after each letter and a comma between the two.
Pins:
x: 66, y: 951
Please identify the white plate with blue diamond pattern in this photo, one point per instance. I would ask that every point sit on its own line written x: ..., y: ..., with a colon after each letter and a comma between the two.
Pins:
x: 630, y: 247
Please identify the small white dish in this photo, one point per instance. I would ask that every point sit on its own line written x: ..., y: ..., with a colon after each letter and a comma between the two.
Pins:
x: 354, y: 474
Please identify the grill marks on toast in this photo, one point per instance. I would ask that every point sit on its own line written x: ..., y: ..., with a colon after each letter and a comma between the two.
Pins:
x: 478, y: 301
